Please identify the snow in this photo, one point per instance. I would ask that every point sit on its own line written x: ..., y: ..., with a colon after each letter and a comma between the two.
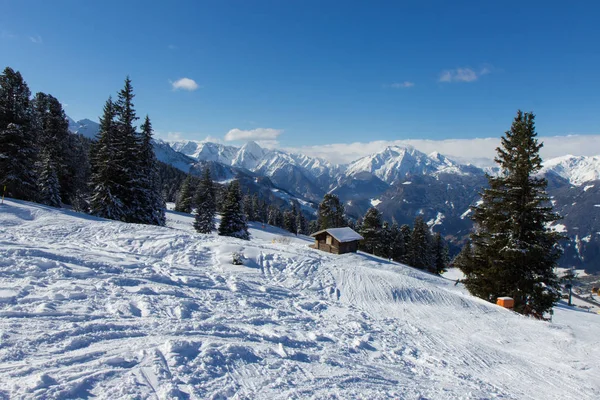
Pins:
x: 587, y: 187
x: 559, y: 228
x: 96, y: 308
x: 576, y: 169
x: 439, y: 218
x: 375, y: 202
x: 342, y: 234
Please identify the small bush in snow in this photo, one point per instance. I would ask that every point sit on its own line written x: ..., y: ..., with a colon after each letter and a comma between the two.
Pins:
x: 282, y: 240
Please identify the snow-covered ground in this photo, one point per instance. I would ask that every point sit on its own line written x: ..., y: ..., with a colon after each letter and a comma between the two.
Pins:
x: 90, y: 307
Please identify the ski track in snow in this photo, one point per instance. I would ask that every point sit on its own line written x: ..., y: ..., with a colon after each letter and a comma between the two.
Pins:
x: 90, y: 307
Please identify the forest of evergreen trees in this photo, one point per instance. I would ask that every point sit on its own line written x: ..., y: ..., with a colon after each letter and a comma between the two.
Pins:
x: 39, y: 160
x: 115, y: 177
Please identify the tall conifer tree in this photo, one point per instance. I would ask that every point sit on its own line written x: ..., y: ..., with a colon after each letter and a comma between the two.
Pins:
x: 49, y: 188
x: 106, y: 200
x: 370, y: 230
x: 419, y: 248
x: 126, y: 153
x: 440, y: 254
x: 233, y: 220
x: 204, y: 198
x: 149, y: 196
x: 513, y: 252
x: 18, y: 151
x: 331, y: 212
x: 185, y: 196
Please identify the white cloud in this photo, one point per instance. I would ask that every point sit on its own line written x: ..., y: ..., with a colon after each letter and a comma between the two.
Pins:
x: 37, y: 39
x: 401, y: 85
x: 172, y: 47
x: 253, y: 134
x: 185, y: 84
x: 463, y: 74
x: 478, y: 151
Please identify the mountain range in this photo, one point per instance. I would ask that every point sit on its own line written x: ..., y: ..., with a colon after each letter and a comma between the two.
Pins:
x: 401, y: 182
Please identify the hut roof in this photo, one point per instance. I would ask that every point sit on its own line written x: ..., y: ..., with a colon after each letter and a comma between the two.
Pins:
x: 342, y: 235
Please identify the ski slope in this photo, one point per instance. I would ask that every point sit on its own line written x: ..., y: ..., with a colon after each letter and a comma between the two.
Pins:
x: 97, y: 308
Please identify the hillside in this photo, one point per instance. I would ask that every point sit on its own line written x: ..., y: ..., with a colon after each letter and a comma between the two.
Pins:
x: 91, y: 307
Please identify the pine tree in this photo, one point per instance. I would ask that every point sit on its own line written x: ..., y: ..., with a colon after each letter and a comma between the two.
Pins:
x: 184, y: 199
x: 49, y: 188
x: 385, y: 248
x: 204, y: 198
x: 106, y: 200
x: 440, y: 254
x: 419, y: 249
x: 301, y: 224
x: 398, y: 244
x: 52, y: 128
x: 77, y: 173
x: 313, y: 226
x: 331, y: 212
x: 257, y: 207
x: 406, y: 234
x: 148, y: 192
x: 18, y: 152
x: 289, y: 221
x: 370, y: 230
x: 233, y: 221
x: 248, y: 207
x: 126, y: 153
x: 514, y: 251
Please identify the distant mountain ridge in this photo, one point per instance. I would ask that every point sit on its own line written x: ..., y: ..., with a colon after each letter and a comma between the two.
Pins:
x: 85, y: 127
x: 401, y: 182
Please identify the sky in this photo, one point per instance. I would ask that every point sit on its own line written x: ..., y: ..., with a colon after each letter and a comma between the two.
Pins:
x: 312, y: 74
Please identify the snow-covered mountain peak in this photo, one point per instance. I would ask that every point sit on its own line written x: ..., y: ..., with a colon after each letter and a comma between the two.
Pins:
x: 248, y: 156
x: 398, y: 162
x: 576, y: 169
x: 85, y: 127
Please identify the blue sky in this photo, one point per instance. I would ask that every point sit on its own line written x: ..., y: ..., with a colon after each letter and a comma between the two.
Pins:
x: 308, y: 73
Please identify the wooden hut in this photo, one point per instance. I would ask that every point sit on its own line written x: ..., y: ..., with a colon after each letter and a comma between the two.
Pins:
x: 337, y: 240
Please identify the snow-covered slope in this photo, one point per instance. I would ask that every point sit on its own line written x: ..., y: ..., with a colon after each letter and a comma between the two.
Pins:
x: 90, y: 307
x: 576, y: 169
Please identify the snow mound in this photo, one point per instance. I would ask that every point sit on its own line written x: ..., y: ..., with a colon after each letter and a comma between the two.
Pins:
x: 97, y: 308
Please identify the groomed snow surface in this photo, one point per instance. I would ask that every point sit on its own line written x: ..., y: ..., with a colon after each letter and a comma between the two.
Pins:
x: 95, y: 308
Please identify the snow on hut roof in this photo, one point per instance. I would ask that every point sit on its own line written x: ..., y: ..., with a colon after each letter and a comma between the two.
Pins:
x: 342, y: 235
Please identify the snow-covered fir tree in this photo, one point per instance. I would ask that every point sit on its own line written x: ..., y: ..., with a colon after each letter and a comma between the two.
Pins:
x: 301, y: 223
x: 513, y: 251
x: 289, y: 221
x: 204, y: 198
x: 233, y: 220
x: 126, y: 153
x: 185, y: 196
x: 440, y: 254
x: 370, y: 230
x: 106, y: 200
x: 18, y: 151
x: 248, y: 207
x: 331, y: 212
x: 149, y: 197
x: 398, y: 245
x: 48, y: 186
x: 419, y: 248
x: 405, y: 235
